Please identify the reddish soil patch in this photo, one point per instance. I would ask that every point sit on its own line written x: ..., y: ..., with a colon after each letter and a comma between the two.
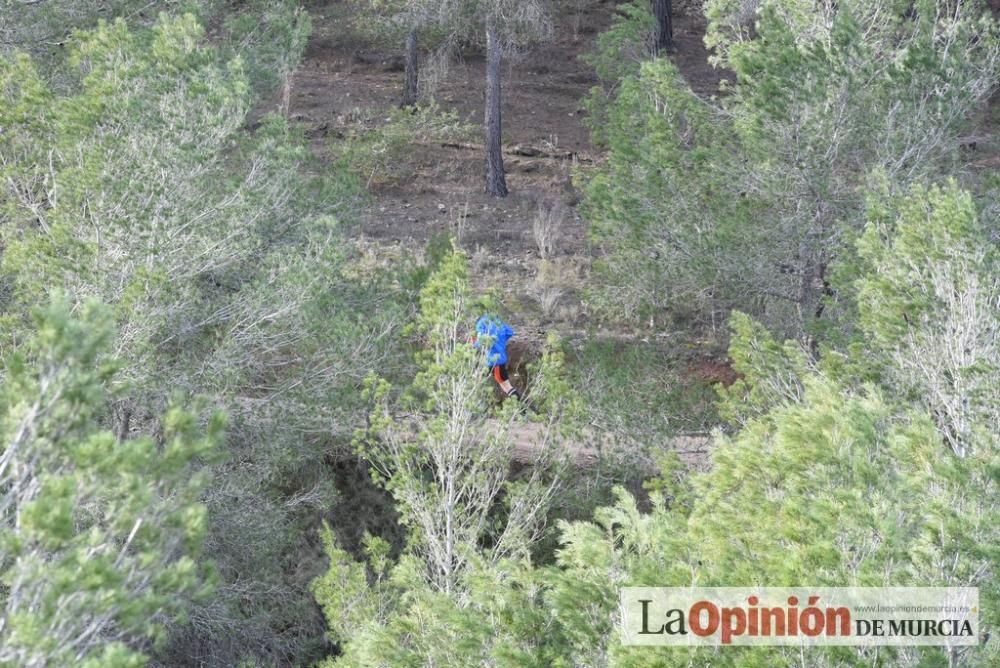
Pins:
x: 713, y: 371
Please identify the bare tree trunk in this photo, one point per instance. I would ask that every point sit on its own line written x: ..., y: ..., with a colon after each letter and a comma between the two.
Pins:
x: 664, y: 25
x: 496, y: 182
x: 412, y: 67
x: 122, y: 414
x: 286, y: 93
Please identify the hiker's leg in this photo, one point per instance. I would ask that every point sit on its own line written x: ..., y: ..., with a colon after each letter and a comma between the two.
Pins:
x: 500, y: 376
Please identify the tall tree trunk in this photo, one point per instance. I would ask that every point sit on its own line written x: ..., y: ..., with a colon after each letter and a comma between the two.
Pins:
x: 664, y: 25
x: 286, y: 93
x: 496, y: 182
x: 412, y: 67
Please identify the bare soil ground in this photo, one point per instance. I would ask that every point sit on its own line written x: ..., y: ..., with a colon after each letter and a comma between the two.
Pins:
x: 340, y: 82
x: 692, y: 449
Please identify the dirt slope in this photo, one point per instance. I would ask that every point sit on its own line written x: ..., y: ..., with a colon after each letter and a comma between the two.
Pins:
x: 340, y: 82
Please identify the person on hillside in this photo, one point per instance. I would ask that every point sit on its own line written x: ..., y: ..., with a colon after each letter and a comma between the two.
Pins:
x: 498, y: 333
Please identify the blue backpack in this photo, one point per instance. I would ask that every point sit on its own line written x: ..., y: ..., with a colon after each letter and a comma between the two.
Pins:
x: 500, y: 332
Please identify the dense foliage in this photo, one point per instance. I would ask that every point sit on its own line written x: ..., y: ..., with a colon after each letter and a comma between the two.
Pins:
x: 752, y: 201
x: 840, y: 474
x: 136, y: 182
x: 100, y: 536
x: 231, y: 434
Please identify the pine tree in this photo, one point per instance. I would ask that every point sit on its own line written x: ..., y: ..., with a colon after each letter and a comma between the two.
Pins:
x: 100, y: 536
x: 408, y: 23
x: 862, y: 469
x: 216, y: 246
x: 663, y: 11
x: 929, y: 299
x: 445, y: 456
x: 508, y: 27
x: 750, y: 202
x: 451, y: 437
